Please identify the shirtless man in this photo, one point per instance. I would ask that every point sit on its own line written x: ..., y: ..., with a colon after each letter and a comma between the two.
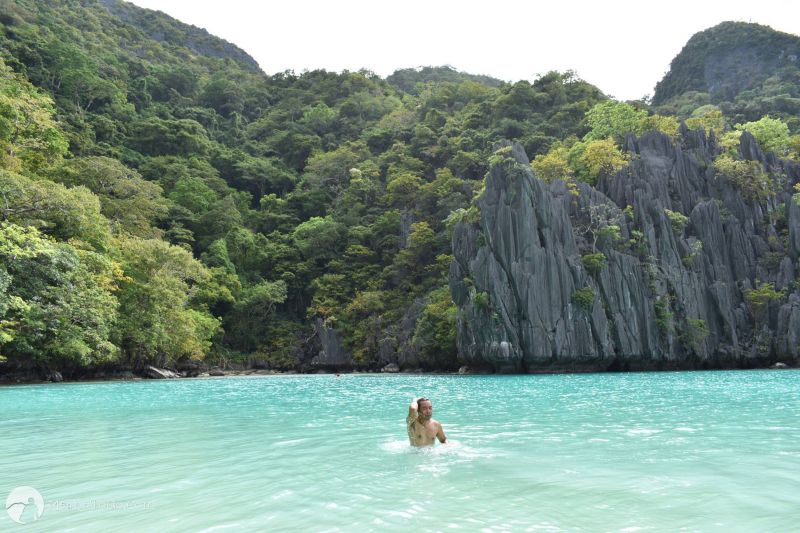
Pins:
x: 422, y: 429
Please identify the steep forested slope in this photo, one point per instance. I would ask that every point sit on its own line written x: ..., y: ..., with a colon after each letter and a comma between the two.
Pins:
x: 243, y: 216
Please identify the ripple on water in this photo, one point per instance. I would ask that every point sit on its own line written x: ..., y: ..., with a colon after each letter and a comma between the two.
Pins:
x: 661, y: 451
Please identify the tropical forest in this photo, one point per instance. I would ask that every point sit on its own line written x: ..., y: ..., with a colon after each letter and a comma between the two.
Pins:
x: 165, y: 203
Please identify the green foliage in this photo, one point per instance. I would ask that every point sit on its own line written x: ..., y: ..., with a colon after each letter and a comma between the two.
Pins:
x: 56, y: 301
x: 715, y: 61
x: 29, y: 136
x: 554, y: 165
x: 664, y: 315
x: 746, y: 70
x: 772, y: 134
x: 157, y: 324
x: 695, y: 333
x: 594, y: 262
x: 470, y: 215
x: 482, y: 302
x: 315, y: 195
x: 613, y: 120
x: 501, y: 156
x: 602, y: 158
x: 664, y: 124
x: 318, y: 237
x: 130, y: 203
x: 403, y: 189
x: 252, y: 312
x: 748, y: 176
x: 583, y: 298
x: 708, y: 117
x: 65, y: 214
x: 694, y: 250
x: 435, y: 332
x: 155, y: 136
x: 677, y: 220
x: 411, y: 80
x: 759, y: 299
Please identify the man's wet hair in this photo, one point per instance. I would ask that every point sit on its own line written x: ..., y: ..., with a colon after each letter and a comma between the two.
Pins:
x: 420, y: 400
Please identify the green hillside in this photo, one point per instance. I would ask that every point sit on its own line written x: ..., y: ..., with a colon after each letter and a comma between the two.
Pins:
x: 225, y: 212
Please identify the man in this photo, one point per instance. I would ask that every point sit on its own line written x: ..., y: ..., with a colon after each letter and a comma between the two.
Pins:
x: 422, y: 429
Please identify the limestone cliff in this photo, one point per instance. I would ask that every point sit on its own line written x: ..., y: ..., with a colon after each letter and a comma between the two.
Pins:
x: 545, y: 280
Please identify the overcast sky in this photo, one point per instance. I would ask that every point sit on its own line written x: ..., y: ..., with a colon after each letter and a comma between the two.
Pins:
x: 622, y: 46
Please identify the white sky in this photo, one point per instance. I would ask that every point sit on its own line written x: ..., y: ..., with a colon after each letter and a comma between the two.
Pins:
x: 622, y: 46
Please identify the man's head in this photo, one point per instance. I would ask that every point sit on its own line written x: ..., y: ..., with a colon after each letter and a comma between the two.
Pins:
x: 424, y: 408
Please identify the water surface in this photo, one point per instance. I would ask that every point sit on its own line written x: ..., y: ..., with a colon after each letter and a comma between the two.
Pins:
x: 697, y: 451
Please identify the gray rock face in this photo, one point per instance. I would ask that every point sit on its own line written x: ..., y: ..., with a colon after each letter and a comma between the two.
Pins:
x: 159, y: 373
x: 333, y: 353
x: 667, y: 291
x: 391, y: 368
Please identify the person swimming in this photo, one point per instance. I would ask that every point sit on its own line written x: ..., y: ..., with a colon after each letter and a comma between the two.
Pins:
x: 422, y: 429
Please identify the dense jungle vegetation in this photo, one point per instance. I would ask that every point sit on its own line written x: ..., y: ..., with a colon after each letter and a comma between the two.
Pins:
x: 163, y: 201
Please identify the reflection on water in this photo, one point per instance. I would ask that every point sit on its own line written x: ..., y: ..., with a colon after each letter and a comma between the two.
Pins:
x: 619, y: 452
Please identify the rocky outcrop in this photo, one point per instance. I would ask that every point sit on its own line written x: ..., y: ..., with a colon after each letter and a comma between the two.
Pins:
x: 648, y: 270
x: 333, y: 354
x: 391, y: 368
x: 159, y: 373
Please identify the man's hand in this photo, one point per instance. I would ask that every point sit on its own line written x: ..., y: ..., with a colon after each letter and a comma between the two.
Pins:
x: 412, y: 409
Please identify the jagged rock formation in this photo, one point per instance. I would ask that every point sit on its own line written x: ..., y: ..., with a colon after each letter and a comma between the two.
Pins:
x: 535, y: 292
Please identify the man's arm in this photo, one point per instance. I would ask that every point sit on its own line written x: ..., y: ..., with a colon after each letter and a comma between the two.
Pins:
x: 440, y: 435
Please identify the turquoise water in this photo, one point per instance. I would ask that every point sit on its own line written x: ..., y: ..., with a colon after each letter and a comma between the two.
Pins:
x: 702, y: 451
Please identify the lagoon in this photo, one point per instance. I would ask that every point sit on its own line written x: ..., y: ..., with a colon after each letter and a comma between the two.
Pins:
x: 698, y: 451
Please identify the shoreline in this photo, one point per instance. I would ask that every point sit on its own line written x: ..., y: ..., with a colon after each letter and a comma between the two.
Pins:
x: 20, y: 379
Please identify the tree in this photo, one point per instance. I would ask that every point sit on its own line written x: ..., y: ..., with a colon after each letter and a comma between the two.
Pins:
x: 330, y: 171
x: 249, y: 319
x: 602, y: 158
x: 554, y: 165
x: 156, y: 136
x: 435, y: 330
x: 54, y: 209
x: 318, y: 238
x: 29, y: 136
x: 193, y: 193
x: 748, y: 176
x: 612, y: 119
x: 131, y: 203
x: 319, y: 118
x: 772, y: 134
x: 759, y: 299
x: 403, y: 190
x: 56, y: 302
x: 708, y: 117
x: 157, y: 324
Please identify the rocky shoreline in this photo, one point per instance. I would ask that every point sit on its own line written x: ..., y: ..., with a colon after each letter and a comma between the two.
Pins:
x: 153, y: 373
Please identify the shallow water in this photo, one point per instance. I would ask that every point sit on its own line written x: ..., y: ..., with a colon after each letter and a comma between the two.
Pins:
x: 693, y: 451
